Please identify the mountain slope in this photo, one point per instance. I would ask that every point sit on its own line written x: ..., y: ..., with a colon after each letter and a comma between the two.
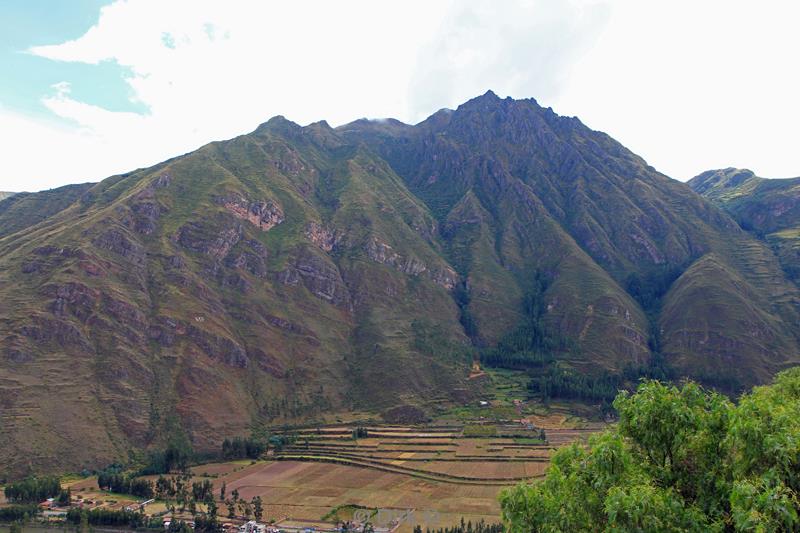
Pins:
x: 768, y: 207
x: 22, y: 210
x: 261, y: 279
x: 637, y: 225
x: 297, y: 273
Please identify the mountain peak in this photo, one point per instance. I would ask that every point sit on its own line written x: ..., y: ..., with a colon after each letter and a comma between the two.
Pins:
x: 723, y: 178
x: 278, y: 123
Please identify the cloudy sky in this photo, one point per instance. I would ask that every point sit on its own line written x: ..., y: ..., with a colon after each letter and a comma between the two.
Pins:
x: 91, y: 88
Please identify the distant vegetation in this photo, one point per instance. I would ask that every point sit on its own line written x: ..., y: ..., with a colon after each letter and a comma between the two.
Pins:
x: 33, y: 489
x: 469, y: 527
x: 115, y: 481
x: 242, y: 448
x: 565, y: 384
x: 531, y: 347
x: 530, y: 344
x: 680, y: 459
x: 109, y: 517
x: 14, y: 513
x: 177, y: 455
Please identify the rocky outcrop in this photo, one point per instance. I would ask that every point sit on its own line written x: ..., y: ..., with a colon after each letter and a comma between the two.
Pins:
x: 380, y: 252
x: 323, y: 237
x: 208, y: 238
x: 116, y: 240
x: 265, y: 215
x: 250, y: 256
x: 72, y: 298
x: 167, y: 332
x: 318, y: 275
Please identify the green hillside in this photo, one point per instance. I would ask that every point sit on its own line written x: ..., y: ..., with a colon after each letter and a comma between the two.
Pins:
x: 769, y: 208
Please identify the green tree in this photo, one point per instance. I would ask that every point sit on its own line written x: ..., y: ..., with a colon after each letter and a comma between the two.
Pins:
x: 258, y: 508
x: 680, y: 459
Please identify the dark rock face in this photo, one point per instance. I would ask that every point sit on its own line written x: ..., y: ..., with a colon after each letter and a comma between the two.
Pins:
x: 72, y: 298
x: 115, y: 240
x: 60, y: 332
x: 319, y: 276
x: 209, y: 238
x: 250, y: 256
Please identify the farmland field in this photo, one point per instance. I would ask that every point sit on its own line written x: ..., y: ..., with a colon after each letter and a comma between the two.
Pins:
x: 436, y: 473
x: 432, y: 474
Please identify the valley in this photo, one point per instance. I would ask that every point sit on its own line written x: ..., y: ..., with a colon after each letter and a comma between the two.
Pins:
x: 398, y: 476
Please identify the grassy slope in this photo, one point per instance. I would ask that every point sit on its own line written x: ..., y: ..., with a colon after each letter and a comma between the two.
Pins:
x: 22, y: 210
x: 522, y: 190
x: 138, y: 323
x: 770, y: 208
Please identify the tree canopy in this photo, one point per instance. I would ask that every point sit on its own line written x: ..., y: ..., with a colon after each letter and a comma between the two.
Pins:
x: 681, y: 458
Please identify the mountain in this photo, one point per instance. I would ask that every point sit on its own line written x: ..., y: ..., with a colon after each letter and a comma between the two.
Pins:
x: 297, y: 273
x: 22, y: 210
x: 4, y: 195
x: 769, y: 208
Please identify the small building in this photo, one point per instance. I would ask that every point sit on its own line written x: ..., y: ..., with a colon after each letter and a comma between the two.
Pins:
x: 252, y: 527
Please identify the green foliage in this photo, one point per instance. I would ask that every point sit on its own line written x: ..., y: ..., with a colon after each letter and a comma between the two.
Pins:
x: 562, y: 383
x: 530, y: 344
x: 125, y: 484
x: 33, y: 489
x: 680, y: 459
x: 177, y: 456
x: 17, y: 512
x: 201, y: 490
x: 468, y: 527
x: 240, y: 448
x: 207, y: 524
x: 258, y: 508
x: 109, y: 517
x: 462, y: 299
x: 360, y: 432
x: 649, y: 289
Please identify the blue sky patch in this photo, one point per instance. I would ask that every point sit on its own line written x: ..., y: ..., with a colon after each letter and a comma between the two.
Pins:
x: 28, y: 78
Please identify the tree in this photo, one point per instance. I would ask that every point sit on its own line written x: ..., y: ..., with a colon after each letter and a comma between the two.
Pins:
x: 65, y: 497
x: 258, y: 508
x: 231, y: 508
x: 33, y: 489
x: 680, y: 459
x: 211, y: 508
x: 222, y: 491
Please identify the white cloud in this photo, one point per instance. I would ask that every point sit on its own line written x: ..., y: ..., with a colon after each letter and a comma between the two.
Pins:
x: 211, y: 70
x: 522, y: 49
x: 687, y: 85
x: 696, y: 85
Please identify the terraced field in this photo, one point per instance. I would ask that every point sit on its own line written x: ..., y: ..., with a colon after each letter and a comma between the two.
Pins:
x: 441, y: 454
x: 434, y: 473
